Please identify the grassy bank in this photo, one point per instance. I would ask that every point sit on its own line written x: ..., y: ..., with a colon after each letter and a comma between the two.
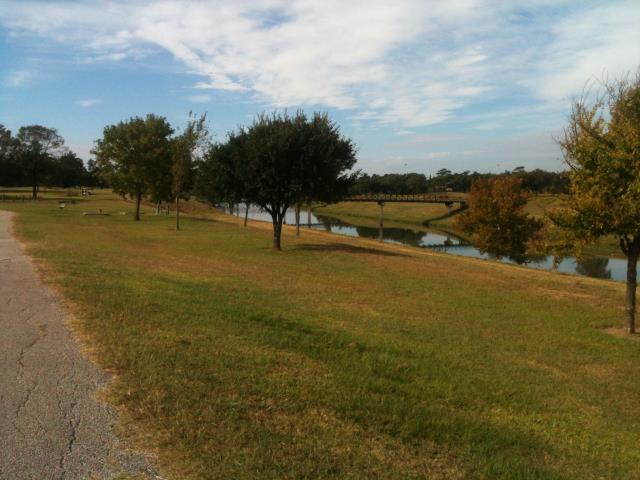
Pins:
x: 420, y: 215
x: 338, y: 357
x: 408, y: 215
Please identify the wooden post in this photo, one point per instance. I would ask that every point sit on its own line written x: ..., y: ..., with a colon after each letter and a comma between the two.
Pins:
x: 380, y: 231
x: 177, y: 212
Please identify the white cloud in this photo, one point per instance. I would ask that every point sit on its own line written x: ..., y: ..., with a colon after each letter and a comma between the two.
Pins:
x: 89, y: 102
x: 436, y: 155
x: 407, y: 62
x: 199, y: 98
x: 587, y: 45
x: 20, y: 78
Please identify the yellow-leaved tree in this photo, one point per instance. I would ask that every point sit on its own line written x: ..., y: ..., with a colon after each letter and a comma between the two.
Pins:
x: 601, y: 145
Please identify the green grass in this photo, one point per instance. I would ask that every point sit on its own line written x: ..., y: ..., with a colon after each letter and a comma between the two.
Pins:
x: 339, y: 357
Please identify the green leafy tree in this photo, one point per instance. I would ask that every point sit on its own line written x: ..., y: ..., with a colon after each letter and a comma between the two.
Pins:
x: 220, y: 177
x: 36, y: 146
x: 281, y: 160
x: 68, y: 170
x: 11, y: 173
x: 135, y: 157
x: 496, y: 217
x: 601, y: 145
x: 185, y: 146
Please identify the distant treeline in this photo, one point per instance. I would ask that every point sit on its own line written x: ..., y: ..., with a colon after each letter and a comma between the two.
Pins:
x: 67, y: 170
x: 37, y: 156
x: 536, y: 181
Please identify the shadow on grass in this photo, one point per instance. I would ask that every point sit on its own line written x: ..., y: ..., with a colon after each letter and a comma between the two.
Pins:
x: 345, y: 248
x: 198, y: 219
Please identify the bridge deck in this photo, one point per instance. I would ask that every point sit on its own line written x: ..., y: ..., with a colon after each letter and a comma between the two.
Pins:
x: 413, y: 198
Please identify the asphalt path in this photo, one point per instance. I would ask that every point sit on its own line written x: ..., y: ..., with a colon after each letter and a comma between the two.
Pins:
x: 52, y: 426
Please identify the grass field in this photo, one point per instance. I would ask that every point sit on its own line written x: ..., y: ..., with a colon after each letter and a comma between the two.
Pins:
x: 339, y: 357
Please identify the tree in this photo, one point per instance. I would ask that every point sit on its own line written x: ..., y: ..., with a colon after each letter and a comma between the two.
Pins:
x: 497, y: 219
x: 281, y: 160
x: 67, y: 171
x: 10, y: 172
x: 220, y: 176
x: 35, y: 146
x: 601, y: 145
x: 194, y: 137
x: 135, y: 156
x: 94, y: 177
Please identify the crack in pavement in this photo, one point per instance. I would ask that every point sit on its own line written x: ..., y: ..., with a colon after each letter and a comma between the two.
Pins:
x: 53, y: 426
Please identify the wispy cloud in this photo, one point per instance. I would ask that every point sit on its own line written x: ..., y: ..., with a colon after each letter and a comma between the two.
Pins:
x: 89, y: 102
x: 199, y: 98
x: 408, y: 62
x: 20, y: 78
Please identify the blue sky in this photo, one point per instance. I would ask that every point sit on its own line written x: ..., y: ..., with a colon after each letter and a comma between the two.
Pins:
x: 419, y: 85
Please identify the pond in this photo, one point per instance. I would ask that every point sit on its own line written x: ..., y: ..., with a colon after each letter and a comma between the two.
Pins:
x: 598, y: 267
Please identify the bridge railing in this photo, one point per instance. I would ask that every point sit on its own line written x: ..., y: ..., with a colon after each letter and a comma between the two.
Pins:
x: 417, y: 197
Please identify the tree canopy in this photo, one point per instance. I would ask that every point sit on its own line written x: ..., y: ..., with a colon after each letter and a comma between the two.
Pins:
x: 35, y: 147
x: 135, y: 157
x: 601, y: 145
x: 278, y: 161
x: 497, y: 219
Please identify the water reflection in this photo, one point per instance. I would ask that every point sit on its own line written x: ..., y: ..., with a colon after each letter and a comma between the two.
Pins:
x: 593, y: 267
x: 598, y: 267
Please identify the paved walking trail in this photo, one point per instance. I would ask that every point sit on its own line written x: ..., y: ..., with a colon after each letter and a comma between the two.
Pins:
x: 51, y: 425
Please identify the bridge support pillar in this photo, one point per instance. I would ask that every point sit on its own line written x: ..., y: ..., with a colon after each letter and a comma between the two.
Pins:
x: 449, y: 206
x: 381, y: 229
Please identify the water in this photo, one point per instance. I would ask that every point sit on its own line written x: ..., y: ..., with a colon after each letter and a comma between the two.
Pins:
x: 597, y: 267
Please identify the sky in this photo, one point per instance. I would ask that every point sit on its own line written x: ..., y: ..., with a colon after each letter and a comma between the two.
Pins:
x: 419, y: 85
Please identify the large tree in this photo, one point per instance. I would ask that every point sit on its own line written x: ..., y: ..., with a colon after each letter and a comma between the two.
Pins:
x: 496, y: 217
x: 281, y: 160
x: 36, y: 146
x: 601, y: 145
x: 135, y: 156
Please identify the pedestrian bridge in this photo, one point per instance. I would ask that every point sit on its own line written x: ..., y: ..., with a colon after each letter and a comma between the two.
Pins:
x: 442, y: 198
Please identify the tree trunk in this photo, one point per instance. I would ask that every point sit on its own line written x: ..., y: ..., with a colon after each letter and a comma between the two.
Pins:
x: 138, y: 200
x: 177, y: 212
x: 34, y: 182
x: 157, y: 208
x: 246, y: 213
x: 309, y: 216
x: 297, y: 219
x: 277, y: 230
x: 381, y: 227
x: 632, y: 262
